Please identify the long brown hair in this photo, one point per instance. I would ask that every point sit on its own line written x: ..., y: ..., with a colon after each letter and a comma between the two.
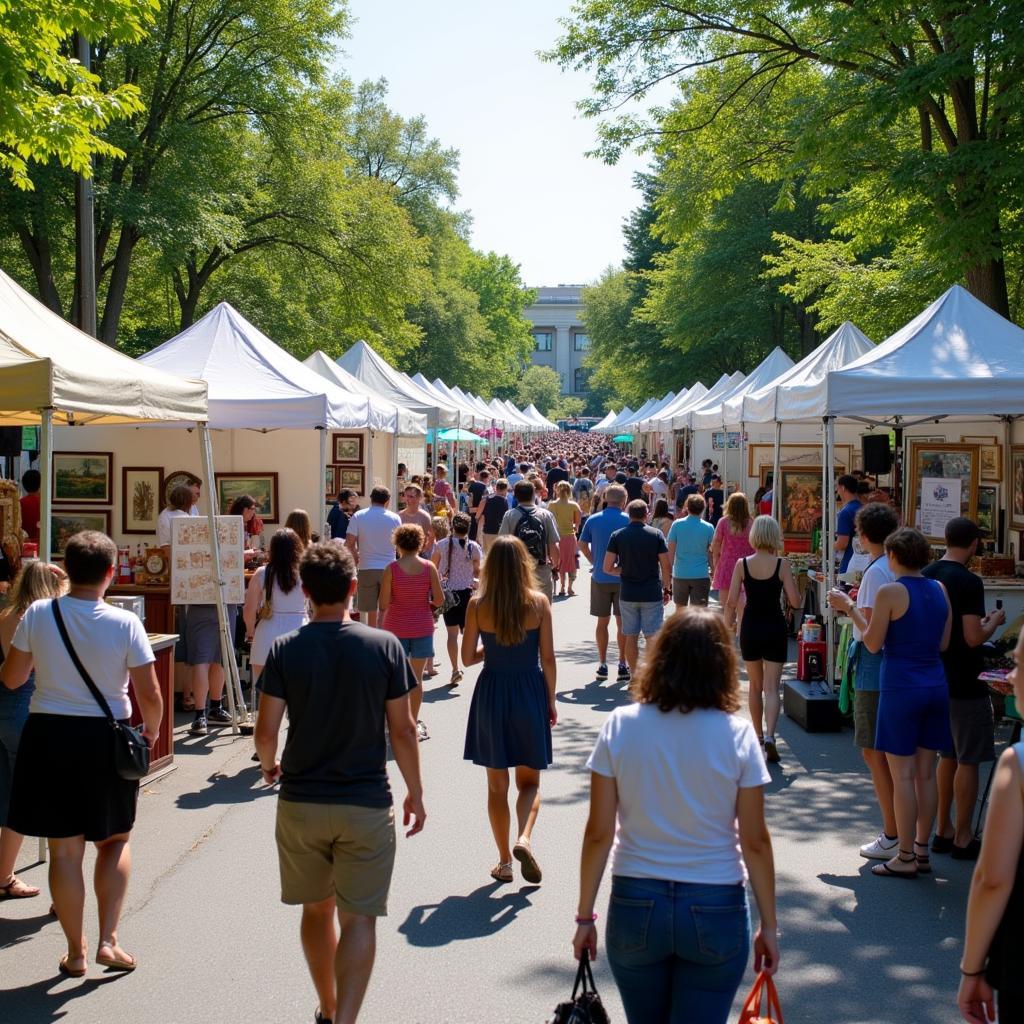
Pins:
x: 737, y: 511
x: 691, y: 664
x: 298, y: 520
x: 282, y: 570
x: 508, y: 589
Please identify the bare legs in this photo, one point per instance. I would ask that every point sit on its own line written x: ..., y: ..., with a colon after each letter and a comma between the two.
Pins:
x: 416, y: 694
x: 110, y: 881
x: 10, y: 847
x: 452, y: 641
x: 527, y: 806
x: 763, y: 695
x: 914, y: 800
x: 630, y: 647
x: 340, y: 968
x: 882, y: 781
x: 957, y: 784
x: 207, y: 681
x: 601, y: 638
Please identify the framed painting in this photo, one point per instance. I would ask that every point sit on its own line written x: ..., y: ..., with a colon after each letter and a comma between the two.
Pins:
x: 766, y: 471
x: 260, y: 486
x: 82, y: 478
x: 352, y: 476
x: 347, y: 448
x: 949, y: 462
x: 142, y: 488
x: 809, y: 453
x: 800, y: 503
x: 331, y: 482
x: 987, y: 516
x: 1016, y: 485
x: 66, y: 522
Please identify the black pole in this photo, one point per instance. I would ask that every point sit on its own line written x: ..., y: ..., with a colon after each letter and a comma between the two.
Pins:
x: 84, y: 228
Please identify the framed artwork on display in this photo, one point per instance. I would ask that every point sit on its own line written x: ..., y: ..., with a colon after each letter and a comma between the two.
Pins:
x: 766, y: 471
x: 347, y: 448
x: 947, y: 461
x: 987, y: 516
x: 179, y: 476
x: 800, y: 503
x: 142, y: 488
x: 66, y: 522
x: 330, y: 482
x: 1016, y: 485
x: 261, y: 486
x: 809, y: 453
x: 991, y: 457
x: 82, y: 478
x: 351, y: 476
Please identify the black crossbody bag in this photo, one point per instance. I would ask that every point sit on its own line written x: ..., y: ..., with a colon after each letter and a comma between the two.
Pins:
x: 131, y: 750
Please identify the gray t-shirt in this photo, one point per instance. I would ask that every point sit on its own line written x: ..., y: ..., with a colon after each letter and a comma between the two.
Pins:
x: 372, y: 528
x: 335, y: 678
x: 546, y: 519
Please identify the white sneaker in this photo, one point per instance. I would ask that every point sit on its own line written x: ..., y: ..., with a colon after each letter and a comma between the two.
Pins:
x: 881, y: 848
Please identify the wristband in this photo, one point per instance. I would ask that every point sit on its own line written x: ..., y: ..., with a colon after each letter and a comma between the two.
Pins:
x: 973, y: 974
x: 586, y: 920
x: 267, y: 771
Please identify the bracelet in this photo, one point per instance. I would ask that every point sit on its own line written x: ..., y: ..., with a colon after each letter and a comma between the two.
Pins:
x: 973, y: 974
x: 586, y: 920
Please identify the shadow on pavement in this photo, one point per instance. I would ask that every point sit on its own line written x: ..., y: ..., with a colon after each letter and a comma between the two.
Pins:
x: 18, y: 929
x: 601, y: 695
x: 573, y: 743
x: 36, y: 1003
x: 458, y: 918
x: 228, y: 789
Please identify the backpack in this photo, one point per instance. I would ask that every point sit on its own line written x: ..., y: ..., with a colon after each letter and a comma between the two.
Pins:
x: 530, y: 530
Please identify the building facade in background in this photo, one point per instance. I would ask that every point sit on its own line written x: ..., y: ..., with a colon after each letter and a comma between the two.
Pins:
x: 559, y: 337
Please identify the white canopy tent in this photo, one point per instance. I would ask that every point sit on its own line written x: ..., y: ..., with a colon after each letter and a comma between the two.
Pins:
x: 639, y: 414
x: 534, y: 414
x: 518, y: 416
x: 682, y: 418
x: 624, y: 416
x: 468, y: 417
x: 728, y: 411
x: 468, y: 399
x: 599, y: 426
x: 663, y: 420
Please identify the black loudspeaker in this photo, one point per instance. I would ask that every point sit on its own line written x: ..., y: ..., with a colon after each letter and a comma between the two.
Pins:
x: 876, y: 452
x: 10, y: 441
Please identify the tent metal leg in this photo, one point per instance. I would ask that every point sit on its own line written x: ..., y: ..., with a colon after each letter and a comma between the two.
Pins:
x: 827, y: 533
x: 46, y: 512
x: 776, y: 464
x: 323, y: 504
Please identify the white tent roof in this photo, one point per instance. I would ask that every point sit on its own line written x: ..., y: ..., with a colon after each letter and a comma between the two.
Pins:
x: 649, y: 409
x: 380, y: 413
x: 534, y: 414
x: 799, y: 393
x: 663, y: 420
x: 639, y: 413
x: 471, y: 402
x: 381, y: 378
x: 604, y: 421
x: 463, y: 401
x: 480, y: 404
x: 624, y: 417
x: 683, y: 416
x: 726, y: 412
x: 253, y: 382
x: 518, y: 416
x: 957, y: 358
x: 45, y: 362
x: 467, y: 417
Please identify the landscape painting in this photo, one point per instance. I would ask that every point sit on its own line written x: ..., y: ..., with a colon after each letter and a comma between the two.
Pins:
x: 65, y: 523
x: 82, y: 478
x: 260, y: 486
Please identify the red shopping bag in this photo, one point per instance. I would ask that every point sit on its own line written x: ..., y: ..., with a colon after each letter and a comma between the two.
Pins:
x: 751, y: 1012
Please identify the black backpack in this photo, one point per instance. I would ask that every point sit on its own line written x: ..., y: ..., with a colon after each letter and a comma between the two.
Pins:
x: 530, y: 530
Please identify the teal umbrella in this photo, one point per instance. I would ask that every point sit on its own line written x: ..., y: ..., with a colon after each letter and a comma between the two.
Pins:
x: 458, y: 434
x: 622, y: 438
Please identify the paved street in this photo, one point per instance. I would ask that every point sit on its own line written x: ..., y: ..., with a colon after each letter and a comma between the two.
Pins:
x: 215, y: 944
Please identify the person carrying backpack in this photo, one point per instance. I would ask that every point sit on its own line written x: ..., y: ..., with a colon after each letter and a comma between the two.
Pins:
x: 537, y: 529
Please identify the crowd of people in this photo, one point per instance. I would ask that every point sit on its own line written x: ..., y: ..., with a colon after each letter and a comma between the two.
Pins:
x: 342, y: 642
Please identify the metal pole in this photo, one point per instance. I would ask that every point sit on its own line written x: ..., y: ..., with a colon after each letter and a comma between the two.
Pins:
x: 776, y: 464
x: 46, y: 512
x: 830, y: 571
x: 323, y: 480
x: 368, y: 484
x: 84, y: 227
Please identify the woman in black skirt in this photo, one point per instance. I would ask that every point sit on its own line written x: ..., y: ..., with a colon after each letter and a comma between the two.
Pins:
x: 66, y: 786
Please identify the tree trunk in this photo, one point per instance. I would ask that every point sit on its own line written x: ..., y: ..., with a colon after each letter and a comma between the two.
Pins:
x: 114, y: 303
x: 987, y: 281
x: 37, y: 251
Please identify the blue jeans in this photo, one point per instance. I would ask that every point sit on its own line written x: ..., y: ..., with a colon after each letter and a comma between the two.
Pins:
x: 641, y: 617
x: 13, y: 715
x: 677, y: 950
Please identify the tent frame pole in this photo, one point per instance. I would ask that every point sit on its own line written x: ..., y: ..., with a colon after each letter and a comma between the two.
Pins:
x: 827, y: 533
x: 776, y: 468
x: 46, y: 514
x: 323, y: 480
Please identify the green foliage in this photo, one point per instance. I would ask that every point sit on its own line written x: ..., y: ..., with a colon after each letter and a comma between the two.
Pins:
x: 567, y: 408
x: 50, y: 106
x: 540, y: 385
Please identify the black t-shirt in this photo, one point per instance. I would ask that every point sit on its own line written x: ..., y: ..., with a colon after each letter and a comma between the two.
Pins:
x: 476, y: 491
x: 963, y: 664
x: 637, y: 547
x: 714, y: 498
x: 338, y: 521
x: 494, y: 511
x: 555, y: 474
x: 684, y: 492
x: 335, y: 678
x: 634, y: 487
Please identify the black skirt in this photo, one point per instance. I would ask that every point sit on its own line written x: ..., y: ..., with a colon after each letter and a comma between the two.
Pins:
x: 65, y: 781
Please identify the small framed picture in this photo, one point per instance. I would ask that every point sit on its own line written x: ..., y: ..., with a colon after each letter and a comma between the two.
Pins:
x: 353, y: 477
x: 172, y: 480
x: 330, y: 482
x: 347, y: 448
x: 260, y: 486
x: 82, y: 478
x: 988, y: 509
x: 1016, y: 485
x: 66, y: 522
x: 142, y: 489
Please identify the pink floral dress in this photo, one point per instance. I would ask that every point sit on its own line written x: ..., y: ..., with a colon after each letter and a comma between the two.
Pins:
x: 734, y: 547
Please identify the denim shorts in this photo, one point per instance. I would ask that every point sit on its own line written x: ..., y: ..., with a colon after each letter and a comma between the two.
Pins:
x: 418, y: 646
x: 641, y: 617
x: 13, y: 715
x: 677, y: 950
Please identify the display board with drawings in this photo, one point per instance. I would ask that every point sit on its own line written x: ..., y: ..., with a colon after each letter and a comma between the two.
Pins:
x: 193, y: 580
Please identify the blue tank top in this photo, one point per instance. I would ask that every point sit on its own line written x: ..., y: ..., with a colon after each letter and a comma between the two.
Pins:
x: 911, y: 658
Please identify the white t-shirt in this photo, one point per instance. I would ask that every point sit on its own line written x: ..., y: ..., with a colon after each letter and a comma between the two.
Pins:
x: 876, y: 575
x: 658, y: 487
x: 372, y: 528
x: 108, y: 641
x: 163, y: 524
x: 677, y: 777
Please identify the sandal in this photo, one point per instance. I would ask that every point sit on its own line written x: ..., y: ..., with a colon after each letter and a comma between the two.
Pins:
x: 456, y: 678
x: 904, y: 857
x: 16, y: 889
x: 527, y: 862
x: 502, y: 873
x: 71, y: 972
x: 113, y: 963
x: 188, y: 705
x: 924, y: 864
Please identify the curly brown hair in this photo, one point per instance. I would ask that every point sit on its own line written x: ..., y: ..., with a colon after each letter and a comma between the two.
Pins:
x: 691, y: 664
x: 408, y: 538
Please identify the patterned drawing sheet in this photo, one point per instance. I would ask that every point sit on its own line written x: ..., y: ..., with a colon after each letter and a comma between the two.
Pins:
x: 193, y: 580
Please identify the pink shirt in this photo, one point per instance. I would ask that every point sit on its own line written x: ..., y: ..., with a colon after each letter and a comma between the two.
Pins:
x: 409, y: 615
x: 734, y: 547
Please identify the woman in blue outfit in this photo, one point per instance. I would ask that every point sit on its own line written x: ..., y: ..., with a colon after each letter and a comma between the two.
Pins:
x: 910, y: 625
x: 508, y: 628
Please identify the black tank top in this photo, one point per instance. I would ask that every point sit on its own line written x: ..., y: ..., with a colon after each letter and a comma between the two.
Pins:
x: 764, y: 597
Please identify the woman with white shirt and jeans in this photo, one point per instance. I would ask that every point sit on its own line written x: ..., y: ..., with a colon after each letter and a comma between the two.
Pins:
x: 677, y: 797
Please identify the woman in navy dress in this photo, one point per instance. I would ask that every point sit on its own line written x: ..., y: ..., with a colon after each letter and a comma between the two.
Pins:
x: 508, y: 628
x: 910, y: 625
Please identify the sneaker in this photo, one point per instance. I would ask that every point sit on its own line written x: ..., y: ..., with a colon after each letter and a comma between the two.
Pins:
x: 421, y: 732
x: 198, y: 727
x: 623, y: 676
x: 881, y: 848
x: 602, y: 671
x: 219, y: 716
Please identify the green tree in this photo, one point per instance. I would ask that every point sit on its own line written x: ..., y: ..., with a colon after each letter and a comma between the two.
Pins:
x: 540, y: 385
x: 50, y: 106
x: 568, y: 408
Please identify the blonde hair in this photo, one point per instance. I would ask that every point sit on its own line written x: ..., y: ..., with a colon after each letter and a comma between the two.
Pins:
x: 508, y: 589
x: 563, y: 489
x: 36, y: 582
x: 766, y: 534
x: 737, y: 510
x: 439, y: 524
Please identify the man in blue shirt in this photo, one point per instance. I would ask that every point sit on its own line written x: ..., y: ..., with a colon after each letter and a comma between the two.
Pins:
x: 604, y: 587
x: 846, y: 488
x: 689, y: 547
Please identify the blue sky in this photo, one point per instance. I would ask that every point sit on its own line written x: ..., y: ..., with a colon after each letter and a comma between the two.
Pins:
x: 471, y: 69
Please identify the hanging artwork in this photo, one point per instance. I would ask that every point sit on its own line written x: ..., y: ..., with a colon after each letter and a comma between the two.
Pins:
x: 931, y: 460
x: 142, y: 488
x: 82, y: 478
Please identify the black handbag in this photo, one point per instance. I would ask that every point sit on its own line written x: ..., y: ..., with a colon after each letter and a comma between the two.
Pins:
x: 131, y: 749
x: 584, y: 1007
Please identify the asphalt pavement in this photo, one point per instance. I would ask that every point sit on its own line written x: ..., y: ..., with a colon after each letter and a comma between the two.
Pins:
x: 215, y: 944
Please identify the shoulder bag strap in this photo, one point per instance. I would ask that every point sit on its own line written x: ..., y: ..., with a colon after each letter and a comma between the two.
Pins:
x: 73, y: 655
x: 448, y: 572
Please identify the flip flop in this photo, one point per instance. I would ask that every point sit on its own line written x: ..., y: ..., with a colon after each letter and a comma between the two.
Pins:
x: 77, y: 972
x: 456, y: 678
x: 884, y: 871
x: 527, y: 862
x: 502, y: 873
x: 10, y: 891
x: 117, y: 965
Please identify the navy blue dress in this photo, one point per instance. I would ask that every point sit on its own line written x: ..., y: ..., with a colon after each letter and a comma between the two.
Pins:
x: 508, y: 718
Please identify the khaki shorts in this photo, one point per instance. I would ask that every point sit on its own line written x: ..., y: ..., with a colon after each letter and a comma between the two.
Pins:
x: 691, y: 591
x: 368, y: 589
x: 336, y: 849
x: 865, y: 718
x: 604, y: 599
x: 488, y: 539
